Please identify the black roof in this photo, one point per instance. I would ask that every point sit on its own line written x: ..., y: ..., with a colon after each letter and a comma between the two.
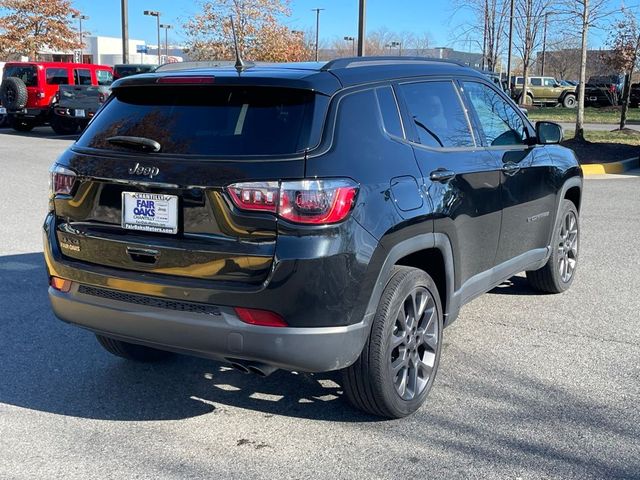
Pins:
x: 323, y: 77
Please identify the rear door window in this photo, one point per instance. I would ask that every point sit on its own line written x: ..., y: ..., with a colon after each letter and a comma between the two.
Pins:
x: 389, y: 110
x: 27, y: 73
x: 437, y: 113
x: 228, y: 121
x: 57, y: 76
x: 82, y: 76
x: 498, y: 120
x: 536, y: 82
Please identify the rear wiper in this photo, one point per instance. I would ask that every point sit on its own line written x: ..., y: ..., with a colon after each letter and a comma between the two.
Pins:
x: 136, y: 143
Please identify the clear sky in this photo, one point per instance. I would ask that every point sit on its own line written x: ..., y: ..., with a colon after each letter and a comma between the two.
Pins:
x: 337, y: 20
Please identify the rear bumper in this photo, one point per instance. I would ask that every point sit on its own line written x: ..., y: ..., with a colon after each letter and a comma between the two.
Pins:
x: 218, y: 334
x: 320, y: 290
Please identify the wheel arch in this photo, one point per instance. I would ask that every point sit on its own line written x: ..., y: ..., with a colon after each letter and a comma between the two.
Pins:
x: 429, y: 252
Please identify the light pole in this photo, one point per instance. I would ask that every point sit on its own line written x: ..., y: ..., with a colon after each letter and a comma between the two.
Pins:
x: 397, y: 44
x: 509, y: 58
x: 353, y: 44
x: 166, y: 41
x: 155, y: 13
x: 362, y: 24
x: 317, y: 10
x: 544, y: 42
x: 80, y: 18
x: 124, y: 12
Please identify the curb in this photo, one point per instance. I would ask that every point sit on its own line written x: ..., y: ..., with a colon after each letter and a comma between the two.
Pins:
x: 613, y: 167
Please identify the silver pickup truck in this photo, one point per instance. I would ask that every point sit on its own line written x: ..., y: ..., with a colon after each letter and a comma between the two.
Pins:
x: 75, y: 106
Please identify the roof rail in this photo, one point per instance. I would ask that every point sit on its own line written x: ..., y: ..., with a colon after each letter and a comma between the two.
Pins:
x: 339, y: 63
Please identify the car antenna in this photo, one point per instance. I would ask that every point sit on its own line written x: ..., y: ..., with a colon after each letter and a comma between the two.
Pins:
x: 240, y: 65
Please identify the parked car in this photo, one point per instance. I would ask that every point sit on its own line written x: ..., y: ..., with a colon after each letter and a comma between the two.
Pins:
x: 604, y: 90
x: 75, y: 106
x: 28, y: 89
x: 545, y: 91
x: 496, y: 78
x: 124, y: 70
x: 634, y: 98
x: 307, y: 217
x: 3, y: 110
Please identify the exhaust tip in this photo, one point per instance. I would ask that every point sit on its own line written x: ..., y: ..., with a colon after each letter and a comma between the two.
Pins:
x: 240, y: 368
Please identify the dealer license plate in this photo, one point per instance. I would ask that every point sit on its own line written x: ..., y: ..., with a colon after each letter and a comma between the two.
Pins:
x: 80, y: 113
x: 150, y: 212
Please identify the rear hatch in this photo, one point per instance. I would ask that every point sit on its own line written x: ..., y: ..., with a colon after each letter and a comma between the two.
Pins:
x: 28, y: 73
x: 168, y: 212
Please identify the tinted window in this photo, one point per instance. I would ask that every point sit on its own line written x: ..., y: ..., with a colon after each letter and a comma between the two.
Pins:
x: 82, y: 77
x: 536, y: 82
x: 549, y: 82
x: 499, y: 121
x: 207, y: 120
x: 27, y: 73
x: 57, y: 76
x: 437, y: 113
x: 389, y: 110
x: 104, y: 77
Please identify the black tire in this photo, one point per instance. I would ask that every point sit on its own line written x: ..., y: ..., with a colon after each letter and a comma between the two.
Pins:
x: 569, y: 101
x: 559, y: 272
x: 528, y: 103
x: 131, y: 351
x: 370, y: 383
x: 13, y: 93
x: 21, y: 125
x: 63, y: 126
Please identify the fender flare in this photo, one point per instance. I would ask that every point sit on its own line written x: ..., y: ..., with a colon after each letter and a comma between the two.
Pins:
x: 406, y: 247
x: 575, y: 181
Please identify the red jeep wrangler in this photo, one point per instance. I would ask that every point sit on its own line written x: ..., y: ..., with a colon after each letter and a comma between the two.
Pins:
x: 28, y: 89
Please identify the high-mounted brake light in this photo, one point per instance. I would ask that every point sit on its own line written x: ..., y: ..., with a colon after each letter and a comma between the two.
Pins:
x: 315, y: 202
x: 187, y: 80
x: 61, y: 180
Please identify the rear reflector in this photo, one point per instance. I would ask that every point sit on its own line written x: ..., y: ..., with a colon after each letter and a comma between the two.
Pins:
x: 260, y: 317
x: 60, y: 284
x: 187, y: 80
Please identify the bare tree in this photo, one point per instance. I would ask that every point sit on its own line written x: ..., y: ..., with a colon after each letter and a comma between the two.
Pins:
x: 422, y: 44
x: 528, y: 25
x: 625, y: 46
x: 563, y: 56
x: 588, y: 14
x: 486, y: 27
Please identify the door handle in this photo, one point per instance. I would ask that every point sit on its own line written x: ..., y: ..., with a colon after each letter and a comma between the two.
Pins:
x: 143, y: 255
x: 510, y: 168
x: 441, y: 175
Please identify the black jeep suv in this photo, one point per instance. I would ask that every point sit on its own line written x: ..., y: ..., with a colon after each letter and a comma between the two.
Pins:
x: 309, y: 217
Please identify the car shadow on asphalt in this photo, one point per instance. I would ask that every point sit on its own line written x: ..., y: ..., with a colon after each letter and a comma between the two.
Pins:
x: 50, y: 366
x: 515, y: 286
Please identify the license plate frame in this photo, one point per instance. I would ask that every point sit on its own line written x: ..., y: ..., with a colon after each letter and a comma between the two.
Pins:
x: 149, y: 212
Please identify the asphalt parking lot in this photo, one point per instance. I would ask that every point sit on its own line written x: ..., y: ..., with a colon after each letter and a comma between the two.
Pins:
x: 530, y: 386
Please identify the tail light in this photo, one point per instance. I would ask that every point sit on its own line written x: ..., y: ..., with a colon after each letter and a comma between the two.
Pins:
x: 315, y: 202
x: 60, y: 284
x: 61, y: 180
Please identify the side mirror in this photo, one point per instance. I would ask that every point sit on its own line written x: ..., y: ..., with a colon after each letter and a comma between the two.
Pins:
x: 549, y: 133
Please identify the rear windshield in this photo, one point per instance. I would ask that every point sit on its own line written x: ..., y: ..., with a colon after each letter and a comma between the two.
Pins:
x: 126, y: 70
x: 207, y: 120
x: 27, y: 73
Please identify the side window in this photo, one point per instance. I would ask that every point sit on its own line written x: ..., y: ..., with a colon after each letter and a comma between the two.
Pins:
x: 536, y: 82
x: 82, y: 76
x: 57, y: 76
x: 389, y: 111
x: 549, y: 82
x: 500, y: 122
x: 437, y: 113
x: 104, y: 77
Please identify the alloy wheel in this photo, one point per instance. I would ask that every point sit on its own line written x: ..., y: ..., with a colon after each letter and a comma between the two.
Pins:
x: 414, y: 342
x: 568, y: 247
